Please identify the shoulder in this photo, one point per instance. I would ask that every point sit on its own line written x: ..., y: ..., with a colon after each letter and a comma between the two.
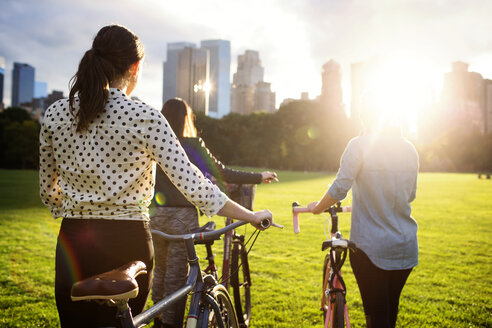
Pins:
x: 193, y: 141
x: 357, y: 142
x: 197, y: 145
x: 56, y: 110
x: 144, y: 110
x: 141, y: 113
x: 410, y: 147
x: 409, y: 144
x: 58, y: 105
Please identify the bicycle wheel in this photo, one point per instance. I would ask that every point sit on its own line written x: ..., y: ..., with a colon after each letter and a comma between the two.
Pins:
x: 241, y: 283
x: 224, y: 315
x: 339, y: 311
x: 326, y: 272
x: 338, y: 307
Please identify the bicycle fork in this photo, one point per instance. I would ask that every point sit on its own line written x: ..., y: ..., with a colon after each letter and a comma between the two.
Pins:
x: 333, y: 284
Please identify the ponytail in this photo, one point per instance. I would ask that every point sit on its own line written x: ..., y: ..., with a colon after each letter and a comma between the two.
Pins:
x: 114, y: 50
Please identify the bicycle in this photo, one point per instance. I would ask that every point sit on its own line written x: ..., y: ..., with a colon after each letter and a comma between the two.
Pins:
x: 235, y: 259
x: 235, y: 265
x: 333, y: 302
x: 210, y: 305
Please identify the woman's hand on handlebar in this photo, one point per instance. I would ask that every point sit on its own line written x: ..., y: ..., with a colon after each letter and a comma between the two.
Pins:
x: 259, y: 217
x: 325, y: 203
x: 312, y: 208
x: 268, y: 177
x: 233, y: 210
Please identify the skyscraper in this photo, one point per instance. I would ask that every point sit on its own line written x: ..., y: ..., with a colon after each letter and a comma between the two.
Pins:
x: 22, y: 84
x: 220, y: 83
x: 264, y: 98
x: 249, y: 92
x: 170, y: 83
x: 193, y: 78
x: 488, y: 106
x: 331, y: 87
x: 40, y: 89
x: 464, y: 97
x: 2, y: 77
x: 249, y: 69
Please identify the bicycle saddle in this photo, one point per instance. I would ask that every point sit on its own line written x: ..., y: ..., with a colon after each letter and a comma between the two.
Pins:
x: 117, y: 284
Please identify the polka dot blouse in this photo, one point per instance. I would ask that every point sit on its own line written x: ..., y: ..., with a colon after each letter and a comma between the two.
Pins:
x: 108, y: 170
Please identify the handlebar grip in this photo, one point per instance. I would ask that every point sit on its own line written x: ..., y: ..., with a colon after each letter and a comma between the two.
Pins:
x: 295, y: 219
x: 265, y: 223
x: 295, y: 222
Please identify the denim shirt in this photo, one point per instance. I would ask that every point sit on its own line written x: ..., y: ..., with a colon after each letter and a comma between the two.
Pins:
x: 382, y: 171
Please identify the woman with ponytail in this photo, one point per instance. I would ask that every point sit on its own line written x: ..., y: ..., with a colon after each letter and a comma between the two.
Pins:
x: 98, y: 153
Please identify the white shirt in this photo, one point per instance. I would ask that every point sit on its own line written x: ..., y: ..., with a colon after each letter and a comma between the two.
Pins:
x: 108, y: 170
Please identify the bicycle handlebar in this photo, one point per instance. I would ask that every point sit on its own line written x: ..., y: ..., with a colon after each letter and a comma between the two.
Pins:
x: 211, y: 235
x: 296, y: 209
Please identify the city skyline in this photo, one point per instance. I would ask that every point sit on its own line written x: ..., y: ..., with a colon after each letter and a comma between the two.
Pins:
x: 294, y: 38
x: 215, y: 80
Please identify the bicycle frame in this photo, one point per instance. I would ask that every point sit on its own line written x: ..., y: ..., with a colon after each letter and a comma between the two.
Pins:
x: 227, y: 255
x: 194, y: 282
x: 193, y: 312
x: 333, y: 282
x: 233, y: 190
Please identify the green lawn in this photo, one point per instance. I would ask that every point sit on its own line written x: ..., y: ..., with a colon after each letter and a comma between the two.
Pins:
x: 451, y: 287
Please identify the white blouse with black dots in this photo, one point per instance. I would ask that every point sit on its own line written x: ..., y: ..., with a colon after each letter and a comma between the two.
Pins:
x: 108, y: 170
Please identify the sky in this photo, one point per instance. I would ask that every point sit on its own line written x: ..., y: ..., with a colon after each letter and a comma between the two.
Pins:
x: 294, y: 37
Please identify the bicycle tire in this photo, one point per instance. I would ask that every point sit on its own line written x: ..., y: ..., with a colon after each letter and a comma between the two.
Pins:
x: 339, y: 311
x: 241, y: 283
x: 227, y: 315
x: 326, y: 268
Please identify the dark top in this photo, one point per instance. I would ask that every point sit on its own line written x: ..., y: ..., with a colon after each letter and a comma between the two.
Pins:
x: 167, y: 195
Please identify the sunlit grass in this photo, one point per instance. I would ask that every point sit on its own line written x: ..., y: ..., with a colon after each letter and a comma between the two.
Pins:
x: 451, y: 287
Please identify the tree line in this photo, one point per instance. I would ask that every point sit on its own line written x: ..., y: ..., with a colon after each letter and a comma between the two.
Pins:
x: 302, y: 135
x: 19, y: 139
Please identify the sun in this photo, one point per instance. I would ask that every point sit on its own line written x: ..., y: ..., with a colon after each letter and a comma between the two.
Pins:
x: 405, y: 89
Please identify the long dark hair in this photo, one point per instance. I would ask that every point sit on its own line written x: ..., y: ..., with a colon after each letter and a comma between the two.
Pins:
x: 114, y: 49
x: 180, y: 116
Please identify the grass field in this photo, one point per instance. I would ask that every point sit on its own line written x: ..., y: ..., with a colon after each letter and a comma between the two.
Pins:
x: 451, y: 287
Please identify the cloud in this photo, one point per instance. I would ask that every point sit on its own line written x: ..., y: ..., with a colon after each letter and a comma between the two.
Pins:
x: 294, y: 37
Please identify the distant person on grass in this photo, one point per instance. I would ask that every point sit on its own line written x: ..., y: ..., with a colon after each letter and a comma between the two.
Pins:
x: 381, y: 168
x: 98, y: 152
x: 176, y: 215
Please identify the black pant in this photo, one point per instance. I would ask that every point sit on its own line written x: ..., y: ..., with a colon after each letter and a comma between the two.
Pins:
x: 89, y: 247
x: 380, y: 290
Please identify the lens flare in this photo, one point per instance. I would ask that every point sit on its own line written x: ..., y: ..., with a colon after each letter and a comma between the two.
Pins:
x: 160, y: 199
x: 313, y: 132
x: 302, y: 136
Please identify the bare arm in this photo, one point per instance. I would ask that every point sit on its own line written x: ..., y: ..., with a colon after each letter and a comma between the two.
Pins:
x: 350, y: 164
x: 234, y: 210
x: 326, y: 202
